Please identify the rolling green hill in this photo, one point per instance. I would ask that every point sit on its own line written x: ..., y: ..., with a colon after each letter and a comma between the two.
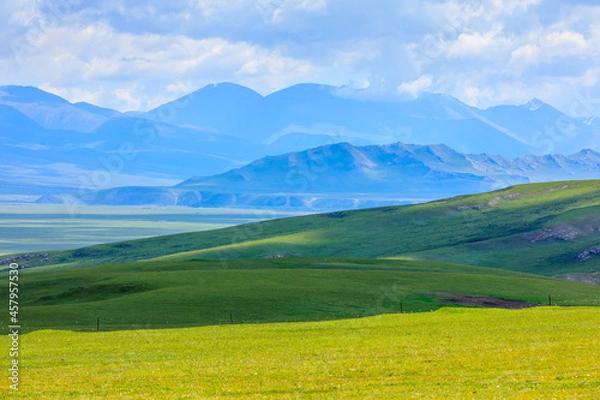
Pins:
x: 344, y: 264
x: 547, y: 229
x: 162, y: 294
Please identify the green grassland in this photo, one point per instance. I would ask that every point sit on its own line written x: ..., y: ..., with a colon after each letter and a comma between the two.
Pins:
x: 43, y: 227
x: 540, y: 353
x: 536, y: 228
x: 344, y: 295
x: 163, y: 294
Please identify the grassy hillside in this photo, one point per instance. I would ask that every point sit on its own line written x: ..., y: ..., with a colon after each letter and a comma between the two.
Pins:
x: 538, y: 228
x: 163, y: 294
x: 539, y: 353
x: 336, y: 266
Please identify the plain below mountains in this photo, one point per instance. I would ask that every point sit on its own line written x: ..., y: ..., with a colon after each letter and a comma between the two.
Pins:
x: 343, y: 176
x: 53, y: 146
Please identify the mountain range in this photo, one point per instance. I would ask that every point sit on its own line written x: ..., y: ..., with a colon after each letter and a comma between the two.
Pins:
x: 50, y: 146
x: 344, y: 176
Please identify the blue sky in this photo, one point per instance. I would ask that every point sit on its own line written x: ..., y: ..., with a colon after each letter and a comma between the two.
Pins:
x: 137, y: 54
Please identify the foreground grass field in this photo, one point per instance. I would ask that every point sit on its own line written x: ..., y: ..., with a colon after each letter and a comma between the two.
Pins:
x: 163, y: 294
x: 539, y: 353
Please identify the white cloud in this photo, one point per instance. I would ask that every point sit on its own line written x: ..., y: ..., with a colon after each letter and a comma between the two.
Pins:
x: 524, y: 56
x: 133, y: 53
x: 416, y: 87
x: 551, y: 47
x: 564, y: 43
x: 281, y: 11
x: 513, y: 6
x: 128, y: 99
x: 125, y: 71
x: 476, y: 44
x: 474, y: 96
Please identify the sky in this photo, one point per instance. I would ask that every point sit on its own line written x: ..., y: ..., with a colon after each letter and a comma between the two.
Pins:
x: 136, y: 55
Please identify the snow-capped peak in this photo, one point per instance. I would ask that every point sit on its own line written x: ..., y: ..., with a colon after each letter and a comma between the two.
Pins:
x: 534, y: 104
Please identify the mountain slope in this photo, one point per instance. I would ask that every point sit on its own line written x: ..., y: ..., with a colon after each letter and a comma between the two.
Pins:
x: 51, y: 111
x: 225, y: 108
x: 396, y: 170
x: 105, y: 112
x: 58, y: 146
x: 346, y: 176
x: 309, y: 115
x: 223, y: 126
x: 548, y: 229
x: 306, y: 115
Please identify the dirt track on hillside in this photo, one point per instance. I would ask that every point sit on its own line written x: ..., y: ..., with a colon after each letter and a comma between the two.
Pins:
x: 481, y: 301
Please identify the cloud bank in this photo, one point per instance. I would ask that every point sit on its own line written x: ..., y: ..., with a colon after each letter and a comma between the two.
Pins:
x: 136, y: 54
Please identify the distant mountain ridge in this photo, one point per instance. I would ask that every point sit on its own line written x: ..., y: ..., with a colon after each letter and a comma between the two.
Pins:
x: 54, y: 143
x: 54, y: 112
x: 343, y: 176
x: 296, y: 115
